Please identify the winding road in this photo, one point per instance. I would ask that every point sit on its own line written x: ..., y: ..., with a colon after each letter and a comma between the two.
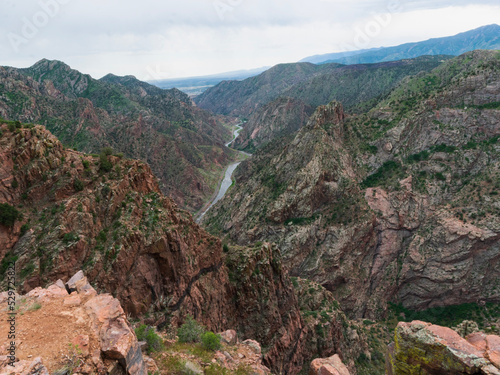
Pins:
x: 227, y: 181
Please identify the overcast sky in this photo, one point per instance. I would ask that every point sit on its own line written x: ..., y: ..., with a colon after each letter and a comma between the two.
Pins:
x: 182, y: 38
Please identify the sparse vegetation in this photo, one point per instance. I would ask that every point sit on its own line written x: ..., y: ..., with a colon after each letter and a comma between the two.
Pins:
x: 451, y: 316
x: 35, y: 306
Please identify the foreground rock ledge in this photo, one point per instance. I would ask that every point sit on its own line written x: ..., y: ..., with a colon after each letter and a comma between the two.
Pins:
x: 423, y: 348
x: 55, y: 322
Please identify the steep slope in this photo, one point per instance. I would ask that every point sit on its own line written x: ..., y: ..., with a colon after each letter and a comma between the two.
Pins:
x: 242, y: 97
x: 313, y: 84
x: 485, y: 37
x: 400, y: 204
x: 279, y: 118
x: 183, y: 144
x: 61, y: 212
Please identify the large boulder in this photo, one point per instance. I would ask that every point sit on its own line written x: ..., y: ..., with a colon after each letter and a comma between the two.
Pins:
x: 117, y: 338
x: 328, y: 366
x: 423, y: 348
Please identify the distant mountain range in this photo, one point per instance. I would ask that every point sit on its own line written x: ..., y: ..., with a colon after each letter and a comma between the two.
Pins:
x: 485, y: 37
x: 353, y: 85
x: 196, y: 85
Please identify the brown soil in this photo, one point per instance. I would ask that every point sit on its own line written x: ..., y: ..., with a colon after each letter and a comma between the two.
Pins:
x: 49, y: 330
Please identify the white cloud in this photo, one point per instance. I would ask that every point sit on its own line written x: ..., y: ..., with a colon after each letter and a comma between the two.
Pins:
x: 198, y: 37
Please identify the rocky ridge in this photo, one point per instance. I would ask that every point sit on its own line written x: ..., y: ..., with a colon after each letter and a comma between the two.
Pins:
x: 183, y: 144
x: 356, y: 86
x: 132, y: 241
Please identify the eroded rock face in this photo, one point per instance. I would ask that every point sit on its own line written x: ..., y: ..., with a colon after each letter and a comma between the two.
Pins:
x: 424, y: 348
x: 279, y: 118
x: 270, y: 310
x: 399, y: 204
x: 117, y: 227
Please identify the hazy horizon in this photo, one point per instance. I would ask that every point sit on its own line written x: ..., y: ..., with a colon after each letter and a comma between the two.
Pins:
x: 203, y: 37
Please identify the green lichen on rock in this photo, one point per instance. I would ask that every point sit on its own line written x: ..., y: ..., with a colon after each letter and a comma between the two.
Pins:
x: 422, y: 348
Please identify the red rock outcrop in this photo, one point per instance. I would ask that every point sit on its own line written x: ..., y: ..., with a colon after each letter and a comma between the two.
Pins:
x: 328, y: 366
x: 82, y: 331
x: 424, y: 348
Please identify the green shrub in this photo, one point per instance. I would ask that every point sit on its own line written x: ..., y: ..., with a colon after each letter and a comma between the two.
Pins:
x: 86, y: 164
x: 385, y: 172
x: 12, y: 127
x: 225, y: 248
x: 190, y: 331
x: 105, y: 190
x: 101, y: 237
x: 24, y: 229
x: 8, y: 214
x: 19, y: 125
x: 439, y: 176
x: 155, y: 343
x: 35, y: 306
x: 78, y: 185
x: 70, y: 237
x: 210, y: 341
x: 6, y: 262
x: 14, y: 184
x: 107, y: 151
x: 443, y: 148
x: 104, y: 164
x: 421, y: 156
x: 470, y: 145
x: 148, y: 334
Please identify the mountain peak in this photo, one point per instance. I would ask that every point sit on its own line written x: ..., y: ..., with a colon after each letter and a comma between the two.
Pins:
x: 47, y: 64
